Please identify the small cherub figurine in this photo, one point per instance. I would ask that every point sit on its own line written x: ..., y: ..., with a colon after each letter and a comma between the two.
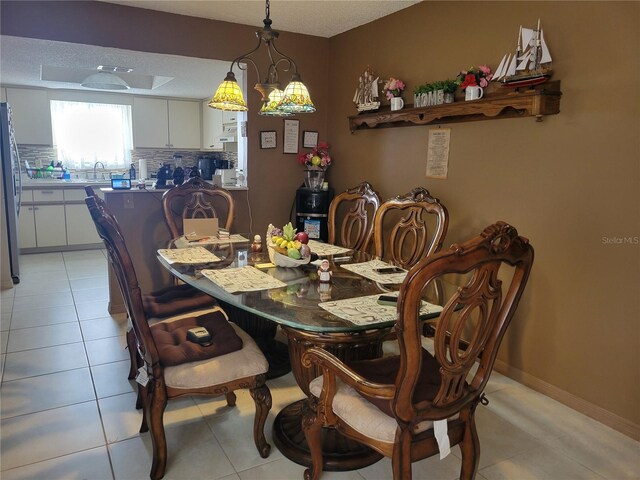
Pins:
x: 256, y: 246
x: 323, y: 272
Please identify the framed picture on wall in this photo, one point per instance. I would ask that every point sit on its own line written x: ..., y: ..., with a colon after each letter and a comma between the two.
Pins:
x: 291, y: 135
x: 310, y: 139
x: 268, y: 139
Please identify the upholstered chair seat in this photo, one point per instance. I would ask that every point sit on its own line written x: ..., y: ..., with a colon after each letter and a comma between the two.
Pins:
x: 245, y: 362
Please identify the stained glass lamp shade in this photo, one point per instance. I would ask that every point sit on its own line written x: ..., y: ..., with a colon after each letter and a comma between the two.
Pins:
x: 229, y: 96
x: 296, y: 98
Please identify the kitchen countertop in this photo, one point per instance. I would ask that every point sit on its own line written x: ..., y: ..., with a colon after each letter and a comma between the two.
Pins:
x: 160, y: 190
x: 52, y: 182
x: 105, y: 185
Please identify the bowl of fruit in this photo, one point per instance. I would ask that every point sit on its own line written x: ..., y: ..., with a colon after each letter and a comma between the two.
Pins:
x: 286, y: 247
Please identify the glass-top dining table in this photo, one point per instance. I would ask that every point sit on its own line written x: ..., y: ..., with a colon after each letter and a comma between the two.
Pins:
x: 301, y: 305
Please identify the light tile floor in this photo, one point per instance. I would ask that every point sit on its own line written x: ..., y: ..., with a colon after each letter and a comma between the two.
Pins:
x: 67, y: 408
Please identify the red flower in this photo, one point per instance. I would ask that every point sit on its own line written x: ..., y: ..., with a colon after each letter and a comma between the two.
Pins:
x: 469, y: 81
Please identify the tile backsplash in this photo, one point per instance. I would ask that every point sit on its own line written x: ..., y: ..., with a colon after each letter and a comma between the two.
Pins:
x: 40, y: 156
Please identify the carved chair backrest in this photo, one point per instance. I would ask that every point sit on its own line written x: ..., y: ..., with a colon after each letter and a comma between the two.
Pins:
x: 471, y: 325
x: 401, y: 231
x: 109, y: 230
x: 356, y: 228
x: 196, y: 198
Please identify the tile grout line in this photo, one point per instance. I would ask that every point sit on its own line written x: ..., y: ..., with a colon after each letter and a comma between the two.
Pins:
x: 93, y: 383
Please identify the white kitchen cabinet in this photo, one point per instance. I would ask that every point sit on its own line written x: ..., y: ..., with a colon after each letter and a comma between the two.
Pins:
x: 80, y: 227
x: 150, y: 123
x: 27, y: 227
x: 161, y: 123
x: 31, y: 115
x: 78, y: 194
x: 50, y: 225
x: 211, y: 128
x: 184, y: 124
x: 48, y: 195
x: 229, y: 116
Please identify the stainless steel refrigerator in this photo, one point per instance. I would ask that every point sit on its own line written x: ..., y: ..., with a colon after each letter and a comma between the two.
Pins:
x: 11, y: 187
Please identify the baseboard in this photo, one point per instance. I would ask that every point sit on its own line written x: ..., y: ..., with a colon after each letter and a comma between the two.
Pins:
x: 606, y: 417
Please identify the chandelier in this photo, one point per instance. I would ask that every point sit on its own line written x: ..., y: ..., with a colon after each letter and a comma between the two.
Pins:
x: 295, y: 97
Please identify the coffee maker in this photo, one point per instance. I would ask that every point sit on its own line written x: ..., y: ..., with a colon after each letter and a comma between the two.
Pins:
x: 208, y: 164
x: 164, y: 174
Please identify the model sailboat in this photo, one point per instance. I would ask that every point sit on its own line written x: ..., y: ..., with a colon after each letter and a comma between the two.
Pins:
x: 531, y: 63
x: 366, y: 96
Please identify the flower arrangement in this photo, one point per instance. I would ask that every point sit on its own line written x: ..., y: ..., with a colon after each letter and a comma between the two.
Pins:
x: 479, y: 76
x: 393, y: 88
x: 318, y: 157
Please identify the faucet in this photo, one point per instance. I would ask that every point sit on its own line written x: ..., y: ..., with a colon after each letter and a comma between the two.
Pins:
x: 95, y: 166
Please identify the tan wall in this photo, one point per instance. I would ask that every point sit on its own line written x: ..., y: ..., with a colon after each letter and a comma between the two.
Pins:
x: 565, y: 183
x: 273, y: 176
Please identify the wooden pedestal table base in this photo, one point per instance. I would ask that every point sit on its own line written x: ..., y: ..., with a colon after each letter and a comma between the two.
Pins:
x: 339, y: 452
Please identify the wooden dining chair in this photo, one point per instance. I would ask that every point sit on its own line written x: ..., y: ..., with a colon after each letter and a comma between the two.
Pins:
x: 162, y: 304
x: 401, y: 228
x: 356, y: 208
x: 397, y: 404
x: 197, y: 198
x: 173, y: 366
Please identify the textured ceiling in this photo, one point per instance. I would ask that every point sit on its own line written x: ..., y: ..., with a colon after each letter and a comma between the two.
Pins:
x: 60, y: 65
x: 44, y: 63
x: 323, y: 18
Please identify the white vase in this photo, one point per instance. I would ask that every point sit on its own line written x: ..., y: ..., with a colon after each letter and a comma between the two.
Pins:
x: 397, y: 103
x: 313, y: 179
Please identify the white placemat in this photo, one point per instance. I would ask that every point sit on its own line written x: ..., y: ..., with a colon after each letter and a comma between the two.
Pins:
x: 188, y: 256
x: 324, y: 249
x: 243, y: 279
x: 182, y: 242
x: 366, y: 310
x: 366, y: 270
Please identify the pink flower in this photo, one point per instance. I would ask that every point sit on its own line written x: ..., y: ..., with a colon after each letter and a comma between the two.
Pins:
x: 321, y: 151
x: 474, y: 76
x: 393, y: 88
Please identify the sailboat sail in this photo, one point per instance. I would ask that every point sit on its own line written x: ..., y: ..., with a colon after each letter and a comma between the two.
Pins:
x: 501, y: 70
x: 546, y: 56
x: 512, y: 66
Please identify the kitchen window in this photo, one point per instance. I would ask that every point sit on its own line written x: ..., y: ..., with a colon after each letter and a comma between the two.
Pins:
x: 85, y: 133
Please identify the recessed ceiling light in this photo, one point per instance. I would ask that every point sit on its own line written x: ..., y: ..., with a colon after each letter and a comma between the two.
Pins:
x: 104, y: 81
x: 108, y: 68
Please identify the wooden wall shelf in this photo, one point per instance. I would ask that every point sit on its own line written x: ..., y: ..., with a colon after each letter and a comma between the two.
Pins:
x: 535, y: 102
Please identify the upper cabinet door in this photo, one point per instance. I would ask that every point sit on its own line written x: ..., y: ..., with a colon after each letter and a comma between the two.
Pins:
x: 31, y: 116
x: 150, y: 123
x: 211, y: 127
x: 184, y: 124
